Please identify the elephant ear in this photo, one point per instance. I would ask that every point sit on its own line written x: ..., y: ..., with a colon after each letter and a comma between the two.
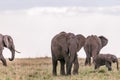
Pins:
x: 8, y: 41
x: 81, y: 41
x: 104, y: 40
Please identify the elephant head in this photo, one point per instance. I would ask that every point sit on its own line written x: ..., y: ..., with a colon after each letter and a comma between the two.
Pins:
x: 8, y: 43
x: 114, y: 59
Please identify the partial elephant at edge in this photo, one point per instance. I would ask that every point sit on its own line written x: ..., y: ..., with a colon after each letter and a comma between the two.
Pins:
x: 7, y: 41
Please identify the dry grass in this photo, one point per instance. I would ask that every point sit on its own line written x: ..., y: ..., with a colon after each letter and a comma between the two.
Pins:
x: 41, y: 69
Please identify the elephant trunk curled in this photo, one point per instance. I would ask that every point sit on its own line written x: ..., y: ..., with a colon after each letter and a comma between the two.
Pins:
x: 12, y: 49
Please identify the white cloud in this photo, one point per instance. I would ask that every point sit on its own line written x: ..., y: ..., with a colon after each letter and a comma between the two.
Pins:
x: 73, y: 10
x: 111, y: 10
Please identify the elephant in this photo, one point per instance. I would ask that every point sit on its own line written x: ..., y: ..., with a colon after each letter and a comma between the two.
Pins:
x: 64, y: 48
x: 7, y: 41
x: 93, y: 45
x: 105, y: 59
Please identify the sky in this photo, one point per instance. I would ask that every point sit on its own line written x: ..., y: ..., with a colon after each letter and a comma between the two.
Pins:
x: 33, y: 23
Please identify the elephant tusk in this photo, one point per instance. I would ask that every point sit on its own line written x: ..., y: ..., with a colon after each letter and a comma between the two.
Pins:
x: 17, y: 51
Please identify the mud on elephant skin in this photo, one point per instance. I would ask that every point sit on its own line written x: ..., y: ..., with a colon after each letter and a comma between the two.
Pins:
x: 6, y: 41
x: 64, y: 48
x: 93, y: 45
x: 105, y: 59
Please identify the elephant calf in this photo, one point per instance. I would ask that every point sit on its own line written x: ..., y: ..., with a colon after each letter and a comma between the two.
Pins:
x: 105, y: 59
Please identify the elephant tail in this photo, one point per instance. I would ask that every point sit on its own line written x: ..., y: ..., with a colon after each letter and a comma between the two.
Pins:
x: 89, y: 50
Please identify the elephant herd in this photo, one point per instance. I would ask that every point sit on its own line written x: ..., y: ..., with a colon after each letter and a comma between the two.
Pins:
x: 64, y: 48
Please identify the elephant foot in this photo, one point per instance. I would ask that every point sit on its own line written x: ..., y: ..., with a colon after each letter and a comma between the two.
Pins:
x: 54, y: 74
x: 86, y: 64
x: 62, y: 73
x: 4, y: 64
x: 75, y: 72
x: 68, y: 74
x: 109, y: 69
x: 89, y: 64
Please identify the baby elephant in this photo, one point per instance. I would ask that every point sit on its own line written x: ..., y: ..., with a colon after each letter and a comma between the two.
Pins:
x: 105, y: 59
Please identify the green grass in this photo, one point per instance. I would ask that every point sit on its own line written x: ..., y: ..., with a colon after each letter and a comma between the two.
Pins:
x: 41, y: 69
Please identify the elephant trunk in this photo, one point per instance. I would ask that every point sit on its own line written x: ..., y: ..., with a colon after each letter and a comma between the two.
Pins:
x: 12, y: 49
x: 13, y: 55
x: 72, y: 58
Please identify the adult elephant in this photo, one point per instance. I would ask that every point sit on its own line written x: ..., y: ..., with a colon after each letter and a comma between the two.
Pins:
x: 64, y: 47
x: 93, y: 45
x: 6, y: 41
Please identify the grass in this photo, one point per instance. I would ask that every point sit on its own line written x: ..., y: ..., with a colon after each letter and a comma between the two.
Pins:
x: 41, y: 69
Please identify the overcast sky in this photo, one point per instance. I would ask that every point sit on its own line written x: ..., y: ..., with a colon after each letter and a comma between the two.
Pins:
x: 24, y: 4
x: 33, y: 23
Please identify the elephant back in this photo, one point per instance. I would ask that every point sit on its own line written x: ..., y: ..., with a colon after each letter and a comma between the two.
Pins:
x: 60, y: 41
x: 93, y: 40
x: 92, y: 45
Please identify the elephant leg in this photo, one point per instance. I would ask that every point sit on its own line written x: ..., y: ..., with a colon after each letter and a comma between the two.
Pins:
x: 69, y: 69
x: 96, y: 66
x: 108, y: 65
x: 2, y: 58
x: 62, y: 69
x: 54, y: 66
x: 3, y: 61
x: 89, y: 61
x: 86, y: 61
x: 67, y: 59
x: 76, y: 66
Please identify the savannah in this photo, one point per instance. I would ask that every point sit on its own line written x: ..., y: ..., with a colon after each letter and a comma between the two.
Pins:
x: 41, y: 69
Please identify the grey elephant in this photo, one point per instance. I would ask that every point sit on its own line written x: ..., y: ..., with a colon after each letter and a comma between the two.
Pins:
x: 93, y: 45
x: 6, y: 41
x: 64, y: 47
x: 105, y: 59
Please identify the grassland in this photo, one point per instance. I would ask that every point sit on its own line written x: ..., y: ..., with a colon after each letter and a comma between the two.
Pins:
x: 41, y: 69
